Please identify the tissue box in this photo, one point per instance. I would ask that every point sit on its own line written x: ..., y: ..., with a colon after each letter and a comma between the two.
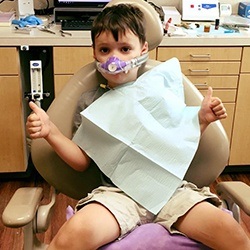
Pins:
x: 244, y: 9
x: 171, y: 12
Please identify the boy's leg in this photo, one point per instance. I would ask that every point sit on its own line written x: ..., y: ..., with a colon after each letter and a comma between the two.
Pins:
x: 213, y: 227
x: 91, y: 227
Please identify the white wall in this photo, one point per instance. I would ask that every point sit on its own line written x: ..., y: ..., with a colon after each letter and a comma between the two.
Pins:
x: 177, y: 3
x: 41, y: 4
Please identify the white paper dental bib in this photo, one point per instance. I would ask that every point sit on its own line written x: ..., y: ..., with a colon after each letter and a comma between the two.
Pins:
x: 142, y: 135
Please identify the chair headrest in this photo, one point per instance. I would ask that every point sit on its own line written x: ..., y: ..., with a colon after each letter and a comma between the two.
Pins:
x: 154, y: 29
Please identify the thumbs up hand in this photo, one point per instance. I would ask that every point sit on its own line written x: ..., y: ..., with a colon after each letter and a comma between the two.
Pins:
x: 212, y: 109
x: 38, y: 122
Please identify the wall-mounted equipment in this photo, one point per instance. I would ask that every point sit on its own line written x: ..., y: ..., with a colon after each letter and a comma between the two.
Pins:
x: 200, y: 10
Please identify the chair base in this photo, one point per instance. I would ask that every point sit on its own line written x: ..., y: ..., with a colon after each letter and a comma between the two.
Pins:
x: 153, y: 236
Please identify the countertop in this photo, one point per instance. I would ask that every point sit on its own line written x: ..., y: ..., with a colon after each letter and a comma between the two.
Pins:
x: 8, y: 37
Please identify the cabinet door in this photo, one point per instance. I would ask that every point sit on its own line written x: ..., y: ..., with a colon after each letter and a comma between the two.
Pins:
x: 12, y: 132
x: 240, y: 146
x: 68, y: 60
x: 8, y: 61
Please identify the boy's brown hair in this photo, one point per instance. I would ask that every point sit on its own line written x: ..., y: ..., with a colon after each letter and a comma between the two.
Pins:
x: 118, y: 19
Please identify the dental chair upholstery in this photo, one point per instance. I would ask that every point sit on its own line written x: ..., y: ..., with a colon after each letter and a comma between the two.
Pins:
x: 24, y: 209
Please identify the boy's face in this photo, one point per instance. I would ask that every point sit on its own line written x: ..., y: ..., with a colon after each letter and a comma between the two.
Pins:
x: 126, y: 48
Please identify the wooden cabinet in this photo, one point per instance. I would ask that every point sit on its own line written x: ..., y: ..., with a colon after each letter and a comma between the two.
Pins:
x: 217, y: 67
x: 240, y: 148
x: 68, y: 60
x: 226, y: 69
x: 12, y: 131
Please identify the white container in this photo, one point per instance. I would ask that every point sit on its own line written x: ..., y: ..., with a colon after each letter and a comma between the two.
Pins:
x: 173, y: 13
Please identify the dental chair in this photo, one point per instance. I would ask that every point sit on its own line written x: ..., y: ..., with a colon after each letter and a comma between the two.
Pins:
x: 24, y: 209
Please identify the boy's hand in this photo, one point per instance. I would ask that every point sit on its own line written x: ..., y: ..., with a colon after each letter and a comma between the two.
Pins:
x: 38, y: 123
x: 212, y: 109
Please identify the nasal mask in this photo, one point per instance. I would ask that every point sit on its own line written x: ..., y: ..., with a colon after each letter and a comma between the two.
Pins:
x: 114, y: 65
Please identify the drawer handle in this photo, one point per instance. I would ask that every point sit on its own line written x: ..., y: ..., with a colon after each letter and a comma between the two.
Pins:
x: 202, y: 85
x: 198, y: 70
x: 201, y: 56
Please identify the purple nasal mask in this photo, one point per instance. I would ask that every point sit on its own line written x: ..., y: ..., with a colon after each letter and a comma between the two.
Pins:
x: 114, y: 65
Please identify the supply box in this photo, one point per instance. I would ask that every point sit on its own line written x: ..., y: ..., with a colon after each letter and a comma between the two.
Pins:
x: 173, y: 13
x: 244, y: 9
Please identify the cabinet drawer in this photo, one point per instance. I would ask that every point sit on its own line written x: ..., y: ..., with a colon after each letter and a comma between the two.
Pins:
x: 210, y: 68
x: 245, y: 66
x: 10, y: 64
x: 68, y: 60
x: 200, y: 53
x: 218, y: 82
x: 226, y: 95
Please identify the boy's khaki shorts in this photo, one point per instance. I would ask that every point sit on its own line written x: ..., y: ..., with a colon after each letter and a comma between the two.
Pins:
x: 130, y: 214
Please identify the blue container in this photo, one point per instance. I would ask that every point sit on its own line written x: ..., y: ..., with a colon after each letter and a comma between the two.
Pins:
x: 244, y: 9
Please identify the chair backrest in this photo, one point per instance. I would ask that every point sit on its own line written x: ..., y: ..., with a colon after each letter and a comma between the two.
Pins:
x: 208, y: 163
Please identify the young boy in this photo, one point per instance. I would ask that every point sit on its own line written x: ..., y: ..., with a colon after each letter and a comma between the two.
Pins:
x: 108, y: 213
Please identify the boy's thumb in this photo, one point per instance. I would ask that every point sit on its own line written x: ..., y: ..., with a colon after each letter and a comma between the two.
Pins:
x: 209, y: 93
x: 34, y: 107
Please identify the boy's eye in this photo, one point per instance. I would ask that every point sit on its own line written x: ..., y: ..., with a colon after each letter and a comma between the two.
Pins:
x: 104, y: 50
x: 125, y: 49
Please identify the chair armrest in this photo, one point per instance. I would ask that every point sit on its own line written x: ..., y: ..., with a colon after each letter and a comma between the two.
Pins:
x: 236, y: 191
x: 22, y: 207
x: 44, y: 213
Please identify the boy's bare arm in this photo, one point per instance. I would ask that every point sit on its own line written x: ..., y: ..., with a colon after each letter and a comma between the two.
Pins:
x: 39, y: 126
x: 212, y: 109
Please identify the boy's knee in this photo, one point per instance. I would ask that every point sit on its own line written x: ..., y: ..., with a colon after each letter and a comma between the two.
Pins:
x: 232, y: 229
x: 69, y: 236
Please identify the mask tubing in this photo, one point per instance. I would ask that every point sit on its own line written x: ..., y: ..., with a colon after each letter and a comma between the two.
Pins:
x: 114, y: 65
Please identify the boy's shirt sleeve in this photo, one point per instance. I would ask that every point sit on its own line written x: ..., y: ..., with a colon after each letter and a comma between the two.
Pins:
x: 84, y: 101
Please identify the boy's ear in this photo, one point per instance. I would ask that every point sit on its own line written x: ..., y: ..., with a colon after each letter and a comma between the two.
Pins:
x: 145, y: 48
